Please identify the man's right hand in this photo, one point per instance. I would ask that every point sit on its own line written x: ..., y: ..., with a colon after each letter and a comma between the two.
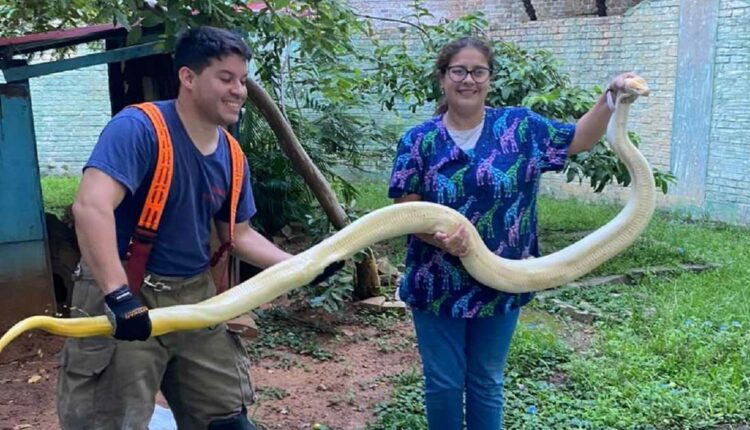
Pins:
x: 129, y: 318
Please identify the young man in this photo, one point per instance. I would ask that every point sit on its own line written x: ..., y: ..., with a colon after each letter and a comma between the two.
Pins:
x: 111, y: 383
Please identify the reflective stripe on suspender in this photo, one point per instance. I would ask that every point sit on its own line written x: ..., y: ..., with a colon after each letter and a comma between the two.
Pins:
x: 159, y: 190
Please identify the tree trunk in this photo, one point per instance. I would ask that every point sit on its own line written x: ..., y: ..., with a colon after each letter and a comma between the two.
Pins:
x: 601, y: 7
x: 367, y: 280
x: 530, y: 11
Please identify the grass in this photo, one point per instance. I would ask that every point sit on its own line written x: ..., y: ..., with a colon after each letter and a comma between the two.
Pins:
x: 373, y: 196
x: 58, y: 193
x: 277, y: 333
x: 668, y: 353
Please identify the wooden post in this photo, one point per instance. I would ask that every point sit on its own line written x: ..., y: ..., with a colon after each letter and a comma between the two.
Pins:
x: 367, y: 272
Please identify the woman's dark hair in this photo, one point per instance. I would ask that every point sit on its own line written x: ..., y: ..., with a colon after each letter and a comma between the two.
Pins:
x: 197, y: 47
x: 446, y: 55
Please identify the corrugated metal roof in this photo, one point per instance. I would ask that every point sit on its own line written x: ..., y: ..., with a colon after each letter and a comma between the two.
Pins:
x: 29, y: 43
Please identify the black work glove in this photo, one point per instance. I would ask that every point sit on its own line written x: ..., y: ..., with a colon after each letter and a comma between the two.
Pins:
x: 328, y: 272
x: 128, y: 316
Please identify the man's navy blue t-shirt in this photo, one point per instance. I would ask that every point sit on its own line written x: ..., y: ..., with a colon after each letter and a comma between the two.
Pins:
x: 127, y: 152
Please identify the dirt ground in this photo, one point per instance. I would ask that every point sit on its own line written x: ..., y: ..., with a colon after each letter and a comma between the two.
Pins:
x: 28, y: 376
x: 295, y: 391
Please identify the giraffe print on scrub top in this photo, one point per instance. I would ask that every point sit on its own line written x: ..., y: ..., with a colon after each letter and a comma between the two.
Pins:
x: 494, y: 185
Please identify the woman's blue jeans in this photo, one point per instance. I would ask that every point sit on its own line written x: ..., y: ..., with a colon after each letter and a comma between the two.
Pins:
x: 460, y: 356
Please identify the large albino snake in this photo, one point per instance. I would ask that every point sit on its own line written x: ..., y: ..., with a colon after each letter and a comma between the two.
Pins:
x: 513, y: 276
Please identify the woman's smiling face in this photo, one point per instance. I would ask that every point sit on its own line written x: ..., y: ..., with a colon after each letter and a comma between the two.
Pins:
x: 467, y: 94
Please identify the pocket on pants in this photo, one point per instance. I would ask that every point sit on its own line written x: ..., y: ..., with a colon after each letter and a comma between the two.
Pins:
x: 243, y: 366
x: 79, y: 396
x: 88, y: 357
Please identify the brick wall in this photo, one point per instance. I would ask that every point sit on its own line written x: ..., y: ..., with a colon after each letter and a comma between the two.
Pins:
x: 70, y: 110
x: 499, y: 11
x: 592, y: 50
x: 553, y: 9
x: 728, y: 178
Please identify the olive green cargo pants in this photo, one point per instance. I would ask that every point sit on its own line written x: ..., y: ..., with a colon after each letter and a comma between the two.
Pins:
x: 109, y: 384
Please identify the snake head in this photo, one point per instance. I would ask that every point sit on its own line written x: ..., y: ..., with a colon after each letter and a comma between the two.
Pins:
x: 635, y: 87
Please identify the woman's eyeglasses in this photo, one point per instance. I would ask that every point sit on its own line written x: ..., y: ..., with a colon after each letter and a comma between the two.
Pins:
x: 459, y: 73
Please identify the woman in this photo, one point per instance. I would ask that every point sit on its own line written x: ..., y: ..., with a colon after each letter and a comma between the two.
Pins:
x: 486, y: 163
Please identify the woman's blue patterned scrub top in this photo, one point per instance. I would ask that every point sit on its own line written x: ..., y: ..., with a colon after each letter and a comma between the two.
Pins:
x: 494, y: 185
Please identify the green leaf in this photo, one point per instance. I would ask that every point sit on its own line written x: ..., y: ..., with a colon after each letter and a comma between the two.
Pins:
x: 121, y: 19
x: 134, y: 36
x: 150, y: 19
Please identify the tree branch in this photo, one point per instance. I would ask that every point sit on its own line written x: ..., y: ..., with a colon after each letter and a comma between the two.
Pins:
x: 530, y: 11
x: 399, y: 21
x: 601, y: 7
x: 301, y: 162
x: 291, y: 84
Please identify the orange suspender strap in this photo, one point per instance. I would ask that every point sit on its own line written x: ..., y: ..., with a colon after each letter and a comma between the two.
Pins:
x: 148, y: 223
x: 238, y: 172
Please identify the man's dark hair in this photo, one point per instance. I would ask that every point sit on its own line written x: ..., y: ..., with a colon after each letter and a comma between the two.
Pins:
x: 197, y: 47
